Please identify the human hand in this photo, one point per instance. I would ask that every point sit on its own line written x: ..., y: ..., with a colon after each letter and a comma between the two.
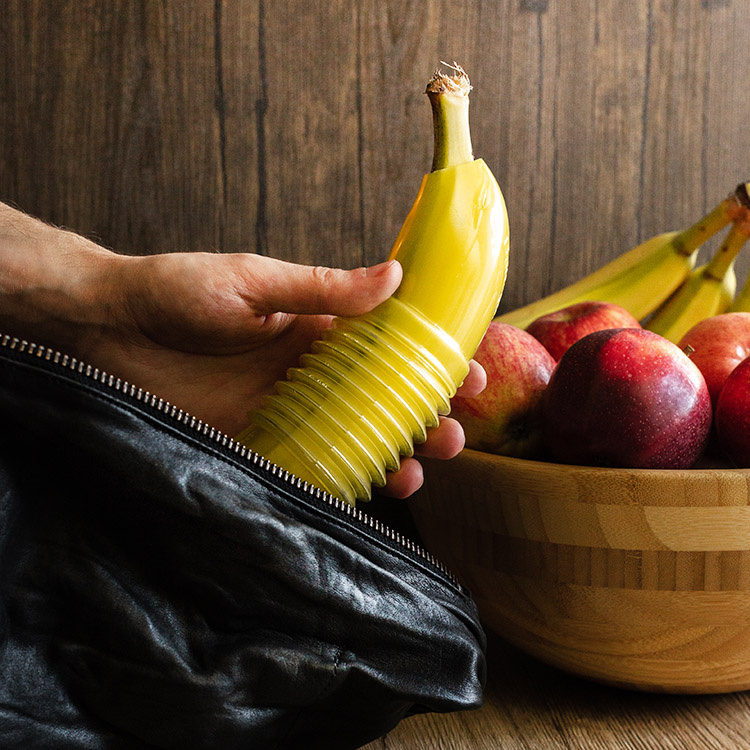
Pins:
x: 210, y: 333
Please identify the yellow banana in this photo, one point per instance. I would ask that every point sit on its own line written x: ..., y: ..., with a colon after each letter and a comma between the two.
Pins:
x: 368, y: 390
x: 641, y: 279
x: 708, y: 290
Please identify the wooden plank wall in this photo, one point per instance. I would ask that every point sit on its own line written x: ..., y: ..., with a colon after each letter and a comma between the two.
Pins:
x: 298, y: 128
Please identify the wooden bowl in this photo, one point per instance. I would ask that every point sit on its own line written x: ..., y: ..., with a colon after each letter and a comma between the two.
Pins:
x: 635, y: 578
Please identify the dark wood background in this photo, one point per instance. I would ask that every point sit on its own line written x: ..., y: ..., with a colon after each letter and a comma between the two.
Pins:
x: 299, y: 129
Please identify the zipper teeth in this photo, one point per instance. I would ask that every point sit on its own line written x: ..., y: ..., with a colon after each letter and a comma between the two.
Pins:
x: 79, y: 367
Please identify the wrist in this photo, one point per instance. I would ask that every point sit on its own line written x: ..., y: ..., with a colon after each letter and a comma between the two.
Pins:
x: 56, y: 287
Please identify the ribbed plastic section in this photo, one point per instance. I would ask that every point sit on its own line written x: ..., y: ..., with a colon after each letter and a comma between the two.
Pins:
x: 363, y: 396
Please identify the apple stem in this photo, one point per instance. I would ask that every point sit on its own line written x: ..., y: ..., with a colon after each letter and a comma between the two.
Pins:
x: 723, y: 260
x: 688, y: 350
x: 449, y: 97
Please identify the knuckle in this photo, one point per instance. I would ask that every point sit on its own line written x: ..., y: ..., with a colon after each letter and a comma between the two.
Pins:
x: 324, y: 276
x: 327, y: 286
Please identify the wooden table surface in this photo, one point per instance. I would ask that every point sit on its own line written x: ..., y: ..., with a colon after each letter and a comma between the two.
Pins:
x: 530, y: 706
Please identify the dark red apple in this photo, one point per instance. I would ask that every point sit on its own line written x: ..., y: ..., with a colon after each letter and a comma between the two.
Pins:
x: 558, y: 331
x: 732, y: 417
x: 626, y: 397
x: 719, y: 344
x: 505, y: 417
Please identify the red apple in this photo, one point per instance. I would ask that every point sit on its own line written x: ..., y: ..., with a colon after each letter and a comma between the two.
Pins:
x: 504, y: 418
x: 732, y: 418
x: 626, y: 397
x: 558, y: 331
x: 720, y: 343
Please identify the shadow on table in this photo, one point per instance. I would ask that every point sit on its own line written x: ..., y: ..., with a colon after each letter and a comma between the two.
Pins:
x: 540, y: 703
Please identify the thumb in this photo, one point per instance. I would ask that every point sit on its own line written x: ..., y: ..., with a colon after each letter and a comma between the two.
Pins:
x: 280, y: 286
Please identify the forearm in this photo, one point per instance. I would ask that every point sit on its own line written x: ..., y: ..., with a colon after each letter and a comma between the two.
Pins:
x: 56, y: 287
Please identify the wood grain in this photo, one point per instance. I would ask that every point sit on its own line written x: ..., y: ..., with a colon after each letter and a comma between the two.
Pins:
x: 301, y: 131
x: 530, y: 705
x: 631, y: 577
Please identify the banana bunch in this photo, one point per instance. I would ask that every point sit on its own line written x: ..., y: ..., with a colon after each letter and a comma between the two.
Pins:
x: 658, y: 282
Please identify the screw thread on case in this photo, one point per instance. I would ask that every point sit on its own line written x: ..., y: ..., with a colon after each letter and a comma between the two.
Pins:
x: 364, y: 395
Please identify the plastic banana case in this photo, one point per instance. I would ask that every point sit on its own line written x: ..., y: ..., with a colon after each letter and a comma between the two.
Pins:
x: 157, y: 591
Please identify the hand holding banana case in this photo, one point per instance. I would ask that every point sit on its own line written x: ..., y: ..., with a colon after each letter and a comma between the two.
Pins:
x: 160, y: 587
x: 368, y: 391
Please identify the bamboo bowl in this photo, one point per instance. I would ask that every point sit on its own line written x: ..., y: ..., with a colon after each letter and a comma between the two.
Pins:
x: 634, y: 578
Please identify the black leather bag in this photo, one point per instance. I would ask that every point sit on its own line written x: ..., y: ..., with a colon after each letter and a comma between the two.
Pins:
x: 161, y: 588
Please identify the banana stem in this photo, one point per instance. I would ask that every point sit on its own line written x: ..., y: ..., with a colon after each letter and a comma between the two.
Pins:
x: 722, y: 261
x: 449, y: 97
x: 690, y: 239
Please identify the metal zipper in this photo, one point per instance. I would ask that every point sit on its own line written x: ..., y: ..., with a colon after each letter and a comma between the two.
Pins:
x: 149, y: 400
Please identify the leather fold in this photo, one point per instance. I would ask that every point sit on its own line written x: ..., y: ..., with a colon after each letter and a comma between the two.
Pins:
x: 157, y: 591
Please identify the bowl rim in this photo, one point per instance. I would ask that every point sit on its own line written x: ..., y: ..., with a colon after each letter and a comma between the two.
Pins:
x: 527, y: 464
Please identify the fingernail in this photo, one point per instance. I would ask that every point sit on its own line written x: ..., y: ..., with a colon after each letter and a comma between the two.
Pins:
x: 380, y: 269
